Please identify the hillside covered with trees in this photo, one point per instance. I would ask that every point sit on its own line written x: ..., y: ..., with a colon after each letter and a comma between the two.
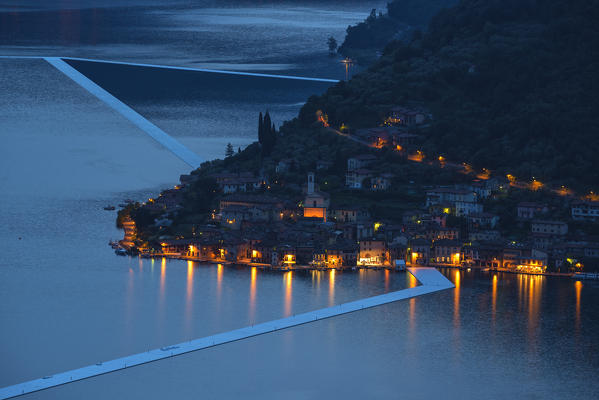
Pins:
x: 512, y: 86
x: 401, y: 19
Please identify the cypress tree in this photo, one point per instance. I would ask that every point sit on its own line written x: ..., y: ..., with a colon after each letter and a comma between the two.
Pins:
x: 260, y: 129
x: 229, y: 150
x: 267, y: 134
x: 267, y: 123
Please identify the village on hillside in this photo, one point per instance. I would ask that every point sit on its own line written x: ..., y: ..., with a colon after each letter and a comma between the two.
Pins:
x: 361, y: 211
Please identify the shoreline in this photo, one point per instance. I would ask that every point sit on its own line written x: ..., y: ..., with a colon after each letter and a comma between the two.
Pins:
x: 297, y: 267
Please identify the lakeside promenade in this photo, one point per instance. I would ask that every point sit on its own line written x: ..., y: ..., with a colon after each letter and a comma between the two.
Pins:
x: 300, y: 267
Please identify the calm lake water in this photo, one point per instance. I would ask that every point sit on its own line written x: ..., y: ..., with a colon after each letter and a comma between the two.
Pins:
x: 67, y: 301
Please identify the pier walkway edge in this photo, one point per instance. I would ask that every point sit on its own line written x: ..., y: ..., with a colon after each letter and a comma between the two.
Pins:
x: 430, y: 280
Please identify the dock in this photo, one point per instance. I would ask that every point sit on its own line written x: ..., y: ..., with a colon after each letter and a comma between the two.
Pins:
x: 430, y: 280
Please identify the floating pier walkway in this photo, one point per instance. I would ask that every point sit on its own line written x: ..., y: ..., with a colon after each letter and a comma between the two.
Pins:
x: 178, y: 149
x: 152, y: 130
x: 430, y: 279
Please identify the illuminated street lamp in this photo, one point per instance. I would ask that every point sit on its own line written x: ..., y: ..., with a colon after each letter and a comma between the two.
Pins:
x: 348, y: 62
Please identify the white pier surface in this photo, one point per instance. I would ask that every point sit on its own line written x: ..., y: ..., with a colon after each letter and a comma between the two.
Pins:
x: 152, y: 130
x: 217, y: 71
x: 431, y: 281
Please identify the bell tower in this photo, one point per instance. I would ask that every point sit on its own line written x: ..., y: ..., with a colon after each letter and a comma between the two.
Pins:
x: 311, y: 183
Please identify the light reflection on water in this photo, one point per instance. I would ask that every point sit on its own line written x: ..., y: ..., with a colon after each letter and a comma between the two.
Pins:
x: 578, y: 290
x: 252, y: 311
x: 494, y: 298
x: 331, y: 288
x: 287, y: 281
x: 189, y: 298
x: 456, y: 300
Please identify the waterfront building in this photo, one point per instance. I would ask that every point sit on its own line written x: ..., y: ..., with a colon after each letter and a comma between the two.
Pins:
x: 483, y: 254
x: 335, y: 255
x: 419, y: 251
x: 130, y: 229
x: 373, y: 252
x: 525, y: 259
x: 283, y: 256
x: 447, y: 252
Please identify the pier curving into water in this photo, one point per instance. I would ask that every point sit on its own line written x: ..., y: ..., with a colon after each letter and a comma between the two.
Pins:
x: 430, y: 281
x: 152, y: 130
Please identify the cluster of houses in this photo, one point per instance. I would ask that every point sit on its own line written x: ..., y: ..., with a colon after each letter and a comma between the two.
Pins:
x: 250, y: 226
x: 255, y: 228
x: 398, y: 130
x: 359, y: 176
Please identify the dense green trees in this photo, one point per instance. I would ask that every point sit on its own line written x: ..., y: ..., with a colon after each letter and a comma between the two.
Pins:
x: 512, y: 85
x: 366, y: 38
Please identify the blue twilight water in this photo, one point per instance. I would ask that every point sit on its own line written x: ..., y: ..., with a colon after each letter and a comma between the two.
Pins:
x: 66, y: 300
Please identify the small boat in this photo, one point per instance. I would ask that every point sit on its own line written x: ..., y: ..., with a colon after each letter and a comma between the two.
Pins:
x: 120, y: 252
x: 123, y: 205
x: 110, y: 208
x: 128, y: 201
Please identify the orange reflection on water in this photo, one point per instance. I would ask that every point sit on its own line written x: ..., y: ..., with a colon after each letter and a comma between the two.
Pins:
x: 331, y: 287
x: 386, y: 280
x: 141, y: 264
x: 578, y: 289
x: 412, y: 281
x: 456, y: 299
x: 412, y: 317
x: 189, y: 296
x: 162, y: 276
x: 219, y: 279
x: 287, y: 278
x: 530, y: 294
x: 494, y: 298
x: 189, y: 280
x: 253, y: 275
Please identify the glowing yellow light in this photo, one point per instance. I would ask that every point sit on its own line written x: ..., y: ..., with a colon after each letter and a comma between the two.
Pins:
x: 377, y: 225
x: 455, y: 258
x: 536, y: 185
